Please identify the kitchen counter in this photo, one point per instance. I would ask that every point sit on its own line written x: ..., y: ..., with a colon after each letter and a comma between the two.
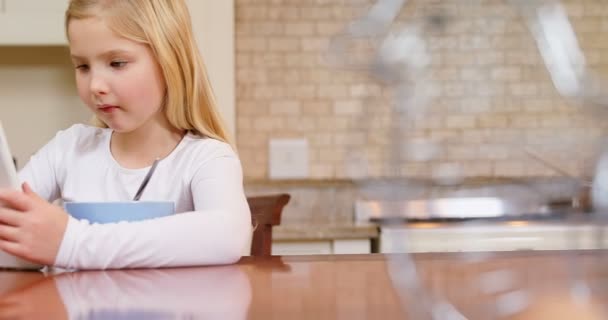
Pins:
x: 331, y: 231
x: 573, y: 234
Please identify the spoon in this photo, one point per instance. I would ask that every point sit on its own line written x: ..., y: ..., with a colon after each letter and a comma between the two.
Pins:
x: 144, y: 183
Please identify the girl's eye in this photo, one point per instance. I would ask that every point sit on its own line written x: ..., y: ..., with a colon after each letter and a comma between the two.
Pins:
x: 82, y: 67
x: 118, y: 64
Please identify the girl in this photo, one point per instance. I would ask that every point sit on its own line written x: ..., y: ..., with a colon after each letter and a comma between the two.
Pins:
x: 138, y: 69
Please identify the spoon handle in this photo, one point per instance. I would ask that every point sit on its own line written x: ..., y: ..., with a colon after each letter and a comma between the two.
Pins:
x: 144, y: 183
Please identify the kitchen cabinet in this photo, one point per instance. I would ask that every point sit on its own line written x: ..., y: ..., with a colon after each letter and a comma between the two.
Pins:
x: 32, y: 22
x: 323, y: 238
x: 327, y: 246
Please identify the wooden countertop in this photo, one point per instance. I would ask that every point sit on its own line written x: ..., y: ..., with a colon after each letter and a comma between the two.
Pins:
x: 534, y: 285
x: 312, y: 232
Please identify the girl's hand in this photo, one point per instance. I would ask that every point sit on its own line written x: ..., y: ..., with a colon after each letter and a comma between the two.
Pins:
x: 30, y: 227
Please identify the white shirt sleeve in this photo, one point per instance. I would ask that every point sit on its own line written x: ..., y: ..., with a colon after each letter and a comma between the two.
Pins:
x: 218, y: 231
x: 41, y: 171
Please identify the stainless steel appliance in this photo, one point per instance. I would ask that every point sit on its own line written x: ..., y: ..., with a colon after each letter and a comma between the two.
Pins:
x: 475, y: 224
x: 451, y: 209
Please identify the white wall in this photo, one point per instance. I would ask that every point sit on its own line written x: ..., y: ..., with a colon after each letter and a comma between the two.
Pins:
x: 37, y: 90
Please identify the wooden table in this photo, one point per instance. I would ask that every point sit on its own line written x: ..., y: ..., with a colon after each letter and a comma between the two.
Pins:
x: 533, y: 285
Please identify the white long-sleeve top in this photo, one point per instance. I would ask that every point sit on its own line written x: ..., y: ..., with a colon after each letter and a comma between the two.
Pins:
x: 202, y: 176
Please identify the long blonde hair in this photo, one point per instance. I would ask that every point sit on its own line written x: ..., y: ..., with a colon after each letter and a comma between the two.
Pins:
x: 166, y: 27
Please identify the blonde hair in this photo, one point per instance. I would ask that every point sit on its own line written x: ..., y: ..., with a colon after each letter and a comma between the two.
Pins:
x: 166, y: 27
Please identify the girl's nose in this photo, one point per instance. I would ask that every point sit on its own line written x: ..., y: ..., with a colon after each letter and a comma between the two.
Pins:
x: 98, y: 85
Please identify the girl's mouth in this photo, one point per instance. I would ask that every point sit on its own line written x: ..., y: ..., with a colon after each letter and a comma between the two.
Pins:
x: 108, y: 108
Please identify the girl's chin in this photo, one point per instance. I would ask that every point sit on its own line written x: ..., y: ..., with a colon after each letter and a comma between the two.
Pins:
x: 115, y: 124
x: 120, y: 129
x: 116, y: 127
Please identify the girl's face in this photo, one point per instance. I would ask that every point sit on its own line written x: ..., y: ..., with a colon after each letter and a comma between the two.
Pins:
x: 118, y: 79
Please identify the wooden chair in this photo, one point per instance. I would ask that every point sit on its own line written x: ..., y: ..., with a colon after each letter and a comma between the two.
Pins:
x: 265, y: 212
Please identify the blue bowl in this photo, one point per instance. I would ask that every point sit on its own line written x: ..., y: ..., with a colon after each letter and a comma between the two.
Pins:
x: 108, y: 212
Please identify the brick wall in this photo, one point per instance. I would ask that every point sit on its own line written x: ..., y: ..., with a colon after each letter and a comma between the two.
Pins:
x: 492, y: 94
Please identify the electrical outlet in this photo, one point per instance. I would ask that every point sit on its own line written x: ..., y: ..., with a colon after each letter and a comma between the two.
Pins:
x: 288, y: 158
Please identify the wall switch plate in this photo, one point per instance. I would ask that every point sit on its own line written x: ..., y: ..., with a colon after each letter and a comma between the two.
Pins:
x: 288, y: 158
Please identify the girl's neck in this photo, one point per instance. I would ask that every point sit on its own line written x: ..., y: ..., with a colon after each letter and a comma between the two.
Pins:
x: 139, y: 148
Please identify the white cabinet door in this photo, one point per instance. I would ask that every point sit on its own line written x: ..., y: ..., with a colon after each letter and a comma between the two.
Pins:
x: 335, y: 246
x: 32, y: 22
x: 288, y: 248
x: 352, y: 246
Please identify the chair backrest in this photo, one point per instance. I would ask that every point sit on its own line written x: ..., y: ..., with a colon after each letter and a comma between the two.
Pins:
x: 265, y: 212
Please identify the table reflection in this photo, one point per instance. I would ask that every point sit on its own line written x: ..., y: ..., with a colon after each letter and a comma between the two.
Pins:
x: 506, y: 285
x: 218, y: 292
x: 29, y: 295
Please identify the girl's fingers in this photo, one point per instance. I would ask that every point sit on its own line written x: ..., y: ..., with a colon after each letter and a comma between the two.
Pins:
x: 9, y: 233
x: 26, y: 188
x: 29, y: 192
x: 10, y: 217
x: 12, y: 248
x: 16, y: 200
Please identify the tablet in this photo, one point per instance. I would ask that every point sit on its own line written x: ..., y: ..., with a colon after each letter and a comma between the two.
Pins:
x: 8, y: 179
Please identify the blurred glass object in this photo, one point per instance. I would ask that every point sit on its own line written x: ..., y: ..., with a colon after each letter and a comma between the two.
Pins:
x: 400, y: 57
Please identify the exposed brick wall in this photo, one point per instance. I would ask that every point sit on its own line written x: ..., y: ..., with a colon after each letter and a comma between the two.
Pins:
x: 493, y: 92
